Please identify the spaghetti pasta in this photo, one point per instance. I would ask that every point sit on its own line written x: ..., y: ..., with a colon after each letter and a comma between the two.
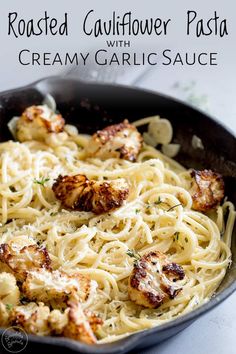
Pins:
x: 157, y: 215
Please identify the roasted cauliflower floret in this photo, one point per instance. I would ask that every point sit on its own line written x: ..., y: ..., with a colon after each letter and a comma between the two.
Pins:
x: 79, y: 193
x: 4, y: 315
x: 207, y: 189
x: 95, y: 321
x: 32, y: 318
x: 43, y: 285
x: 78, y: 326
x: 154, y: 280
x: 75, y: 323
x: 36, y: 318
x: 28, y: 258
x: 57, y: 321
x: 36, y: 122
x: 9, y: 291
x: 118, y: 141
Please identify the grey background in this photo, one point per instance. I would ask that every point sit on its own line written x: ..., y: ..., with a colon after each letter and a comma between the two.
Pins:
x: 210, y: 88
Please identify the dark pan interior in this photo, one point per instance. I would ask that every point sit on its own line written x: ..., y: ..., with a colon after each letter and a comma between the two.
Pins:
x: 93, y: 106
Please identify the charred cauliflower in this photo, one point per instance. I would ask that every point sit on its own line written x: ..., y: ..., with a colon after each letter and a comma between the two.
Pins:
x: 28, y: 258
x: 44, y: 285
x: 9, y: 291
x: 94, y: 320
x: 119, y: 141
x: 154, y: 280
x: 79, y: 193
x: 57, y: 321
x: 78, y: 326
x: 36, y: 122
x: 207, y: 189
x: 32, y: 318
x: 4, y: 314
x: 36, y: 318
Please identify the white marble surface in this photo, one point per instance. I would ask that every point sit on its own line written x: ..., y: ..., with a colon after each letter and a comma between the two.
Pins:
x: 213, y: 333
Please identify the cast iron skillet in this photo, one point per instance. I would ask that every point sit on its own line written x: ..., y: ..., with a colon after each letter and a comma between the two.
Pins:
x: 93, y: 106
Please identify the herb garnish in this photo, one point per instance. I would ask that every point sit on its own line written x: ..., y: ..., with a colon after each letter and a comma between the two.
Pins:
x: 158, y: 201
x: 41, y: 181
x: 23, y: 300
x: 174, y: 206
x: 176, y: 236
x: 9, y: 307
x: 132, y: 254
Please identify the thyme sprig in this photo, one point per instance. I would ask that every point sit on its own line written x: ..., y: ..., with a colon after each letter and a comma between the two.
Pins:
x: 41, y: 181
x: 158, y: 201
x: 176, y: 236
x: 174, y: 206
x: 133, y: 254
x: 9, y: 307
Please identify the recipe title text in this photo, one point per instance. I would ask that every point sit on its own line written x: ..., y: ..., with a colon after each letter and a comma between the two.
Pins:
x: 118, y: 31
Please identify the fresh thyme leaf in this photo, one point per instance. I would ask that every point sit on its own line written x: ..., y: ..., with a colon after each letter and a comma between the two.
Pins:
x: 23, y: 300
x: 9, y: 307
x: 158, y: 201
x: 53, y: 213
x: 137, y: 211
x: 41, y: 181
x: 176, y: 235
x: 132, y: 254
x: 174, y: 206
x: 186, y: 240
